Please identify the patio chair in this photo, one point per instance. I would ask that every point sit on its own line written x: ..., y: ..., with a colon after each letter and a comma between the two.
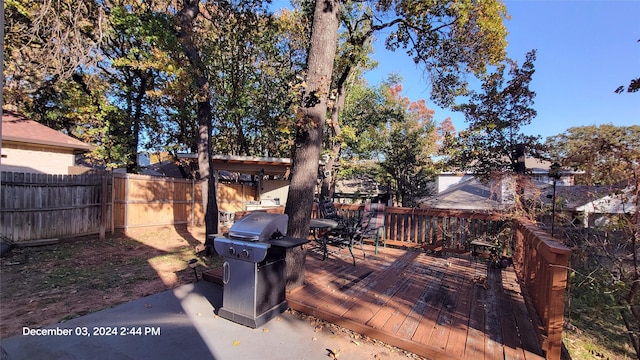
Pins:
x: 342, y: 235
x: 372, y: 225
x: 328, y: 211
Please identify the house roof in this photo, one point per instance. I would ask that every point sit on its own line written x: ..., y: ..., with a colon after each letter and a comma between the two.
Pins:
x: 169, y: 168
x: 20, y: 129
x: 472, y: 194
x: 573, y: 196
x: 469, y: 194
x: 535, y: 166
x: 616, y: 202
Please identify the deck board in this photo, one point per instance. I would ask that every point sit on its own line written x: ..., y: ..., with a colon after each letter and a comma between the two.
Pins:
x: 475, y: 345
x: 445, y: 306
x: 495, y: 321
x: 381, y: 288
x: 459, y: 321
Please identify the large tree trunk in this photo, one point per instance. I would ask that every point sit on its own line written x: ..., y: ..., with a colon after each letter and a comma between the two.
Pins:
x: 309, y: 132
x: 205, y: 165
x: 184, y: 20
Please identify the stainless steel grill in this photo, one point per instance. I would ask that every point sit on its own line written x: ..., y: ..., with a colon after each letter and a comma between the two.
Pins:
x: 254, y: 267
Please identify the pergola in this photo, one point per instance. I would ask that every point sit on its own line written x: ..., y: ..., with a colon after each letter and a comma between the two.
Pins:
x: 247, y: 164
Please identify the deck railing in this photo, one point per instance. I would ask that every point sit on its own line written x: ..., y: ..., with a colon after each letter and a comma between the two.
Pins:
x: 438, y: 230
x: 541, y: 264
x: 540, y: 261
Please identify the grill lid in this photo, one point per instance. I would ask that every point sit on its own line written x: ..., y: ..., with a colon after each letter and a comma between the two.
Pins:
x: 259, y: 227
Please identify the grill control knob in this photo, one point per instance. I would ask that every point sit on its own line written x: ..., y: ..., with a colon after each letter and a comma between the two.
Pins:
x: 232, y: 251
x: 245, y: 253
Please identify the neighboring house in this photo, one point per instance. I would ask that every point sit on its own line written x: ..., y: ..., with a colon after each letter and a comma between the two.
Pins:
x: 28, y: 146
x: 538, y: 170
x: 470, y: 194
x: 598, y: 212
x: 587, y: 206
x: 463, y: 191
x: 359, y: 188
x: 181, y: 169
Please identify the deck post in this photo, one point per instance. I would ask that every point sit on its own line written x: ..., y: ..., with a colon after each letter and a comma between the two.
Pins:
x: 556, y: 305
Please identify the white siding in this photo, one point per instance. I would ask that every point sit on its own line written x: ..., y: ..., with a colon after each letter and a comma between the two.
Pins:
x: 274, y: 189
x: 444, y: 181
x: 36, y: 159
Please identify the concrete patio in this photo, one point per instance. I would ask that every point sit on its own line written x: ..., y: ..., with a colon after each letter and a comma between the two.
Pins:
x: 182, y: 324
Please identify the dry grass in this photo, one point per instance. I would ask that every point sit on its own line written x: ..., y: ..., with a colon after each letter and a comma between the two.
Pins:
x: 40, y: 286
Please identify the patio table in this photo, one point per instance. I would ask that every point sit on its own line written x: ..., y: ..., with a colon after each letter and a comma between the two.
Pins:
x: 317, y: 224
x: 331, y: 232
x: 321, y: 229
x: 485, y: 249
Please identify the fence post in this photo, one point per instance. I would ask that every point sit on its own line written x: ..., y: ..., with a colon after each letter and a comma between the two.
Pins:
x: 103, y: 208
x: 193, y: 201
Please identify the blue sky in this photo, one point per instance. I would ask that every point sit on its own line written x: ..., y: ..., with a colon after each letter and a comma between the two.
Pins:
x: 585, y: 50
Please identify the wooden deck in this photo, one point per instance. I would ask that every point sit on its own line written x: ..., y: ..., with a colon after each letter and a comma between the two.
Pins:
x: 439, y: 307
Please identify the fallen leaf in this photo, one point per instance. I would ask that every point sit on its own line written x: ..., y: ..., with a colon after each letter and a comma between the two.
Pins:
x: 236, y: 342
x: 265, y: 330
x: 334, y: 354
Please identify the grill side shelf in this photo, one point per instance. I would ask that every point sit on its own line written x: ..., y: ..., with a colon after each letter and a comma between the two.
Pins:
x: 288, y: 242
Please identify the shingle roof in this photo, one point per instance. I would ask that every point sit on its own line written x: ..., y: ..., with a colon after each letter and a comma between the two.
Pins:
x: 20, y: 129
x: 470, y: 194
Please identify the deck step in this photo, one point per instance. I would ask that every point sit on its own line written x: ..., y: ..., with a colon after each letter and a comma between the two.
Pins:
x: 213, y: 275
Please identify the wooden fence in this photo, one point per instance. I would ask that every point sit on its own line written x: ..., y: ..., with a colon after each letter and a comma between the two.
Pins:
x: 142, y: 201
x: 40, y: 206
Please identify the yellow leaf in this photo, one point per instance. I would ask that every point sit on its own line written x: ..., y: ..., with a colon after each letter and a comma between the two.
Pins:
x: 334, y: 354
x: 236, y: 342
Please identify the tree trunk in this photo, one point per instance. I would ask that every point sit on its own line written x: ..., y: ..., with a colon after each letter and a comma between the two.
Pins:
x: 184, y: 21
x: 205, y: 166
x: 309, y: 132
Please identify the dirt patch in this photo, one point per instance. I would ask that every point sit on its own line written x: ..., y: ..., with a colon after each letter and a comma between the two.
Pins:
x: 41, y: 286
